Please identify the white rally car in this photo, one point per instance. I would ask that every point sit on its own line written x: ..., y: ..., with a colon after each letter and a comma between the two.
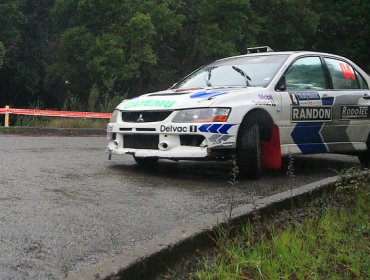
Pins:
x: 259, y: 107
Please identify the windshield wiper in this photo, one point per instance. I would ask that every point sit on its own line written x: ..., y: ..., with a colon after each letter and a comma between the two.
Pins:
x: 241, y: 72
x: 208, y: 83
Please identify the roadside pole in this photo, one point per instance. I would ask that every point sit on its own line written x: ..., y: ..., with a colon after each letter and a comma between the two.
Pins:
x: 6, y: 122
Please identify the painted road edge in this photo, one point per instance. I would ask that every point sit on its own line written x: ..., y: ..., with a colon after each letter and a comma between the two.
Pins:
x: 155, y: 256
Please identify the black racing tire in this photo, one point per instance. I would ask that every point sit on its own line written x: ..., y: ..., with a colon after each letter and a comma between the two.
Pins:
x: 146, y: 161
x: 364, y: 158
x: 249, y: 153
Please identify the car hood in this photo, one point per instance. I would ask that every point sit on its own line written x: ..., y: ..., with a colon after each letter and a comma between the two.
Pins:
x: 187, y: 98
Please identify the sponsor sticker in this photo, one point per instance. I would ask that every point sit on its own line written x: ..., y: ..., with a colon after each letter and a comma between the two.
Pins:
x: 109, y: 128
x: 347, y: 71
x: 264, y: 103
x: 305, y: 98
x: 311, y: 113
x: 354, y: 112
x: 265, y: 99
x: 179, y: 129
x: 149, y: 103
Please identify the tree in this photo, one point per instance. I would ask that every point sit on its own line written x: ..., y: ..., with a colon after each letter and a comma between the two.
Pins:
x: 109, y: 44
x: 10, y: 21
x: 25, y: 39
x: 215, y: 29
x: 285, y: 24
x: 2, y: 53
x: 344, y: 29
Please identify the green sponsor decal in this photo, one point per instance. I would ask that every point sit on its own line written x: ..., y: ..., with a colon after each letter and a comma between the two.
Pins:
x: 149, y: 103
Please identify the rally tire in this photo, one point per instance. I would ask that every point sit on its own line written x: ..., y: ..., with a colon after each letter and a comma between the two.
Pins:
x: 249, y: 154
x: 146, y: 161
x: 364, y: 158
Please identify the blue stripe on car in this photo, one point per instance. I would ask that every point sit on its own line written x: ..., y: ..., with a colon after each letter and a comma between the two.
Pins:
x: 204, y: 94
x: 307, y: 135
x: 215, y: 128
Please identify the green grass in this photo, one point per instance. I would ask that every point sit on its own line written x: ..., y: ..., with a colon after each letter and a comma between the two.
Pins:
x: 333, y: 246
x: 56, y: 122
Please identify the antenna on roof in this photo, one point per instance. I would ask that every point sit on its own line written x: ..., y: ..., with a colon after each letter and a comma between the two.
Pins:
x: 259, y: 49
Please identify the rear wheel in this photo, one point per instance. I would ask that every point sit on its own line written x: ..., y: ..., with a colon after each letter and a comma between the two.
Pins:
x: 146, y: 161
x: 249, y: 155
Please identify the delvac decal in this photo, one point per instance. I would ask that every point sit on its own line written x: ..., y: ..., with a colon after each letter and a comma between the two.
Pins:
x: 174, y: 129
x: 310, y: 113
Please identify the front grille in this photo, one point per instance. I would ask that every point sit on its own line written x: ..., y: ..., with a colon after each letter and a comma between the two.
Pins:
x: 141, y: 141
x: 145, y: 129
x: 145, y: 116
x: 191, y: 140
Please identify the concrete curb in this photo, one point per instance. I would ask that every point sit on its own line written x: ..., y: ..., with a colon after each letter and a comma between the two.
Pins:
x: 41, y: 131
x: 159, y: 254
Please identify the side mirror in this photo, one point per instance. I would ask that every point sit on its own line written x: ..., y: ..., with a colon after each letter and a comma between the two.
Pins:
x: 281, y: 85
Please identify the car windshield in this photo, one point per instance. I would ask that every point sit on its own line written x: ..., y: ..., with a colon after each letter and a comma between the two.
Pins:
x: 244, y: 71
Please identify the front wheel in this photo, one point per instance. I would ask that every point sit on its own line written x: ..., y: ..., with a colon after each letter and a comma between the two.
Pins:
x: 364, y: 158
x: 249, y: 155
x: 146, y: 161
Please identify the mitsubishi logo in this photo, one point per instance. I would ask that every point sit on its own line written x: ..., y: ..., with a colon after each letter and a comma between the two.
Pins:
x: 140, y: 118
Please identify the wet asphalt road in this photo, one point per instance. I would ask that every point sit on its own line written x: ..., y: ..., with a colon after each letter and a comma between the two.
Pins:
x: 64, y: 206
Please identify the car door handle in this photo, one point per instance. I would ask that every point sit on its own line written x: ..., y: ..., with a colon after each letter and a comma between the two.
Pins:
x: 366, y: 96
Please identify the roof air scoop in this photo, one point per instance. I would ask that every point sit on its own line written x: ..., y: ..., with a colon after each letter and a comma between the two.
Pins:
x: 259, y: 49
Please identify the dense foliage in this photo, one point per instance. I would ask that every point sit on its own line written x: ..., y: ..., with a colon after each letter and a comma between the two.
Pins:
x: 88, y: 54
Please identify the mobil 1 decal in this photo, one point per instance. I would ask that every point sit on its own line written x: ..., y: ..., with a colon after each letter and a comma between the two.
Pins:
x: 354, y: 112
x: 311, y: 114
x: 305, y: 98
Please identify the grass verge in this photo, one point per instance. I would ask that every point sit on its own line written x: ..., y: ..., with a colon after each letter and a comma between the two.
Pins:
x: 332, y: 244
x: 56, y: 122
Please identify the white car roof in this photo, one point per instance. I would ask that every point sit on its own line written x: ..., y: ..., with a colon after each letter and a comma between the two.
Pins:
x: 290, y: 53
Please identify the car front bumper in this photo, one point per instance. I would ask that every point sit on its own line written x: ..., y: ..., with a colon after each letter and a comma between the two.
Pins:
x: 170, y: 140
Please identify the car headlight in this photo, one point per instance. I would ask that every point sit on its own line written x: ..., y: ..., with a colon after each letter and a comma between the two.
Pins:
x: 202, y: 115
x: 114, y: 116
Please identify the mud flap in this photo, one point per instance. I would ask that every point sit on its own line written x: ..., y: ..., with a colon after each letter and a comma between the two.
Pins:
x: 271, y: 150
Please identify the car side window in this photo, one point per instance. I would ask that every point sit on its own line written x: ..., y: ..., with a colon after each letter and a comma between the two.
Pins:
x: 305, y: 73
x: 342, y: 74
x: 363, y: 84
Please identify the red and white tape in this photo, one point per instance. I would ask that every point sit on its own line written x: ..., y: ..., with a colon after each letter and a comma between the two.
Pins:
x: 52, y: 113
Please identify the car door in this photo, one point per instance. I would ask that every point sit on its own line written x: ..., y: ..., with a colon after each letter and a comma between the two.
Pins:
x: 307, y: 106
x: 351, y: 108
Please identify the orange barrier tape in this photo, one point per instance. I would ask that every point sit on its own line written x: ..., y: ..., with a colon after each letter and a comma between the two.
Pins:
x: 52, y: 113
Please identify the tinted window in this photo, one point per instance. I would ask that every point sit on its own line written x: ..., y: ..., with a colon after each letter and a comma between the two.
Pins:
x: 362, y: 81
x: 342, y: 74
x: 305, y: 73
